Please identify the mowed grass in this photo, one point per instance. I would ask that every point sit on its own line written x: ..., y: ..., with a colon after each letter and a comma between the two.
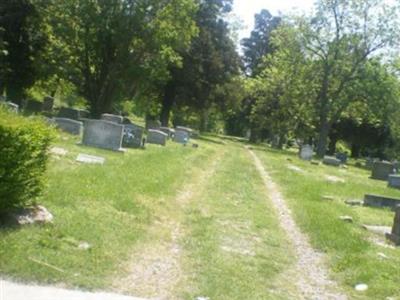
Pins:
x: 353, y: 255
x: 234, y: 248
x: 110, y: 207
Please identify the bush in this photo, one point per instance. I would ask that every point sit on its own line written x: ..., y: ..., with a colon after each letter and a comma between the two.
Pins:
x: 24, y: 144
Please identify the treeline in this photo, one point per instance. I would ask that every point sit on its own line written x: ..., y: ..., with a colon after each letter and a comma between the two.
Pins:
x: 329, y: 79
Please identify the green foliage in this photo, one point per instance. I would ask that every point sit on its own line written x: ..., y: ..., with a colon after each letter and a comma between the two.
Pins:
x: 23, y: 157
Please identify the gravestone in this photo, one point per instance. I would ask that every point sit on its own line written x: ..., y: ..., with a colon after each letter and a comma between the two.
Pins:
x: 394, y: 236
x: 133, y: 135
x: 156, y: 137
x: 48, y: 103
x: 342, y: 157
x: 153, y: 124
x: 69, y: 125
x: 306, y: 152
x: 181, y: 136
x: 90, y: 159
x: 187, y: 129
x: 72, y: 113
x: 112, y: 118
x: 103, y: 134
x: 380, y: 201
x: 331, y: 161
x: 381, y: 170
x: 33, y: 106
x: 169, y: 131
x: 394, y: 181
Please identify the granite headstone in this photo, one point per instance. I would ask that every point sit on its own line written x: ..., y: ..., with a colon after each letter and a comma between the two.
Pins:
x: 103, y: 134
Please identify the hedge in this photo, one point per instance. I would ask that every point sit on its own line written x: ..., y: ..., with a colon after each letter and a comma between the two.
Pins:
x: 24, y: 145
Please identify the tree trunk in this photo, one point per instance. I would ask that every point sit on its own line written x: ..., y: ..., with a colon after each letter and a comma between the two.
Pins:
x: 204, y: 120
x: 355, y: 151
x: 167, y: 103
x: 15, y: 93
x: 332, y: 145
x: 323, y: 138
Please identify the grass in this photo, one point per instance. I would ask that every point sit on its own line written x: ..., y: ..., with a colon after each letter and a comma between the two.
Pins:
x: 234, y: 248
x: 109, y: 206
x: 353, y: 256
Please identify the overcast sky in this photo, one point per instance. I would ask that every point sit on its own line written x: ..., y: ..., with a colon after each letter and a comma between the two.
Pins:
x: 245, y: 10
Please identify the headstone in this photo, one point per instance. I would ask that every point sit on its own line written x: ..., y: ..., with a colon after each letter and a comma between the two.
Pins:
x: 394, y: 181
x: 169, y: 131
x: 48, y: 103
x: 380, y: 201
x: 133, y: 136
x: 342, y: 157
x: 331, y: 161
x: 187, y: 129
x: 34, y: 106
x: 112, y: 118
x: 103, y: 134
x: 381, y: 230
x: 90, y: 159
x: 69, y: 125
x: 181, y: 136
x: 153, y: 124
x: 72, y: 113
x: 381, y: 170
x: 394, y: 236
x: 306, y: 152
x: 156, y: 137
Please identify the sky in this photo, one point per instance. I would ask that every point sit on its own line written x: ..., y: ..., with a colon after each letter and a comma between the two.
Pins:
x: 245, y: 10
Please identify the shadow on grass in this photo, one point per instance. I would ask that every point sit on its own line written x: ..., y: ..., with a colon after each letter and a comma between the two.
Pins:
x: 207, y: 139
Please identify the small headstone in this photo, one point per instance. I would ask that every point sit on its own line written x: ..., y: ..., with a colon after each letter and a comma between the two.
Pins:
x: 34, y: 106
x: 153, y: 124
x: 295, y: 168
x: 169, y: 131
x: 328, y: 198
x: 181, y: 136
x: 90, y: 159
x: 48, y: 103
x: 112, y: 118
x: 380, y: 201
x: 381, y: 170
x: 72, y: 113
x: 394, y: 236
x: 394, y: 181
x: 361, y: 287
x: 156, y: 137
x: 347, y: 219
x: 315, y: 162
x: 58, y: 151
x: 334, y: 179
x: 133, y: 136
x: 12, y: 106
x: 381, y: 230
x: 68, y: 125
x: 103, y: 134
x: 331, y: 161
x: 354, y: 202
x: 36, y: 214
x: 187, y: 129
x: 306, y: 152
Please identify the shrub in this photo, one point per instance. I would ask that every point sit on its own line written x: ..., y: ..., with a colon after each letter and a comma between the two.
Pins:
x: 24, y: 144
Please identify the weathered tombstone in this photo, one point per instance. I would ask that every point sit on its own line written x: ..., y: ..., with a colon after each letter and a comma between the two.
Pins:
x: 381, y: 170
x: 331, y: 161
x: 342, y: 157
x: 395, y: 235
x: 133, y: 135
x: 380, y: 201
x: 112, y: 118
x: 169, y: 131
x: 181, y: 136
x: 103, y: 134
x: 306, y: 152
x: 394, y: 181
x: 48, y: 103
x: 156, y: 137
x: 72, y: 113
x: 33, y: 106
x: 12, y: 106
x: 153, y: 124
x: 69, y: 125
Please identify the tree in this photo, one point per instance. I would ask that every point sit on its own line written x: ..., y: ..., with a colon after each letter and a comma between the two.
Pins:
x: 23, y: 40
x: 210, y: 62
x: 118, y: 49
x: 339, y: 40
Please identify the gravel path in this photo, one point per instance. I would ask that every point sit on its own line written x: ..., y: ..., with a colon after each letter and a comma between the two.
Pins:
x: 312, y: 280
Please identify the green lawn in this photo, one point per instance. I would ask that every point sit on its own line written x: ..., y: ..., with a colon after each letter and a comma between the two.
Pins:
x: 353, y: 256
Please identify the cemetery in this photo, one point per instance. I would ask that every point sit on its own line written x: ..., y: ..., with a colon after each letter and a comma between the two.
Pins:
x: 158, y: 150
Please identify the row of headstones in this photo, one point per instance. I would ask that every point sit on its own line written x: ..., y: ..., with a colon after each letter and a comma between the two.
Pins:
x: 306, y: 153
x: 114, y: 132
x: 31, y: 105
